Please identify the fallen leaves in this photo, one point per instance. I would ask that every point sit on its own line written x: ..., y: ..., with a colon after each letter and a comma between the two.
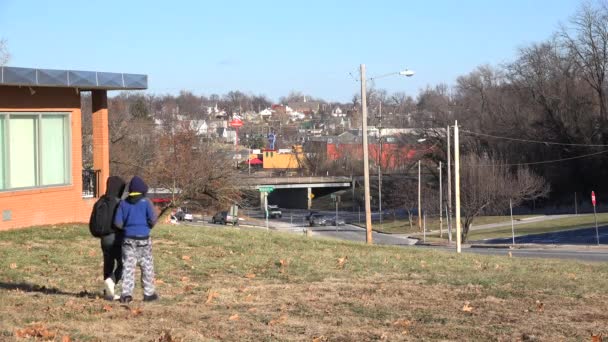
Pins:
x: 282, y: 265
x: 107, y: 308
x: 342, y: 261
x: 186, y: 257
x: 467, y: 307
x: 596, y: 338
x: 210, y: 296
x: 36, y: 330
x: 280, y: 320
x: 250, y: 275
x: 166, y: 336
x: 319, y: 339
x: 12, y: 266
x: 136, y: 311
x: 92, y: 253
x: 540, y: 306
x: 234, y: 317
x: 403, y: 324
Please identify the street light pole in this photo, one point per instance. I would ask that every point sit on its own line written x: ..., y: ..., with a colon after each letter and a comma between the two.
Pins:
x: 419, y: 201
x: 449, y: 214
x: 440, y: 203
x: 368, y: 214
x: 457, y: 186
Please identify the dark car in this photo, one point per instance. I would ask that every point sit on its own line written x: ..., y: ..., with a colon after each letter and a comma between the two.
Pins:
x: 333, y: 221
x: 223, y: 217
x: 317, y: 220
x: 274, y: 211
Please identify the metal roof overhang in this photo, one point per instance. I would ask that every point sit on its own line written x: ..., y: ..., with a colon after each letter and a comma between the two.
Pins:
x: 83, y: 80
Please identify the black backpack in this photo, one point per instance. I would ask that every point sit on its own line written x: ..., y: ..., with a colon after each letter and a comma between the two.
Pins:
x: 102, y: 216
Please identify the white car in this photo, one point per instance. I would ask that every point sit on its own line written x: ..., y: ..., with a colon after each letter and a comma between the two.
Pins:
x: 274, y: 211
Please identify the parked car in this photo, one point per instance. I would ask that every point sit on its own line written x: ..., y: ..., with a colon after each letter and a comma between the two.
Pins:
x: 317, y: 220
x: 332, y: 221
x: 274, y: 211
x: 223, y: 217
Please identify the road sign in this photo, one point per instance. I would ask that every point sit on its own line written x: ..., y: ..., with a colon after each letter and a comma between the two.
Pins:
x: 593, y: 198
x: 236, y: 123
x: 266, y: 189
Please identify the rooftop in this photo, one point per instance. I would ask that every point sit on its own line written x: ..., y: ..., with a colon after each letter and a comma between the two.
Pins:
x: 83, y: 80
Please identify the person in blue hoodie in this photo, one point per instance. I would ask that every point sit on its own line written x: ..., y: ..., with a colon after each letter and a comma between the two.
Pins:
x: 136, y: 217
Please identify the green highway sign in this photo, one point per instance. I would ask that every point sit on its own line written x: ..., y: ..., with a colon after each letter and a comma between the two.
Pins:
x: 266, y: 189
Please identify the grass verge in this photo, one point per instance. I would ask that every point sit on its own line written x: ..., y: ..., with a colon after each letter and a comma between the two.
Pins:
x: 235, y: 284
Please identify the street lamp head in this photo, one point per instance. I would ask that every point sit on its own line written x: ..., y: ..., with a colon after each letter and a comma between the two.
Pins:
x: 406, y: 73
x: 421, y: 140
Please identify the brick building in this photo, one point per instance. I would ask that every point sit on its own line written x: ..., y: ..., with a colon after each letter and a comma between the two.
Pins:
x: 41, y: 177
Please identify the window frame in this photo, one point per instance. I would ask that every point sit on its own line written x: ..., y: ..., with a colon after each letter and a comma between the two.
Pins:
x: 67, y: 153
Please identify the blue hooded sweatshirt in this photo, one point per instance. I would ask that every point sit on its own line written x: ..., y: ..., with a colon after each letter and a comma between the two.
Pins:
x: 136, y: 216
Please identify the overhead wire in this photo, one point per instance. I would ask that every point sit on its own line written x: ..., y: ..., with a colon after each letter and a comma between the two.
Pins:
x: 533, y: 141
x: 539, y: 142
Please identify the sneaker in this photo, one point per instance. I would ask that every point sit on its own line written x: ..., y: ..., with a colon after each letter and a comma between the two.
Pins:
x: 108, y: 292
x: 150, y: 298
x: 126, y: 299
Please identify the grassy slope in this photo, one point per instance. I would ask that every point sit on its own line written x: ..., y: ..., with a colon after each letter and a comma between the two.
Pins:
x: 239, y: 285
x: 567, y: 223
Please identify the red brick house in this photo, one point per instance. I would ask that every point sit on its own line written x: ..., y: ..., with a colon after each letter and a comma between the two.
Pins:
x: 41, y: 176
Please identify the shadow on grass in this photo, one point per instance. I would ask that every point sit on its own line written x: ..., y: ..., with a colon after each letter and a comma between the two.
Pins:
x: 25, y: 287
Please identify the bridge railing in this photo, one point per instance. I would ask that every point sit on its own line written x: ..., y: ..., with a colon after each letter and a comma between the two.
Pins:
x: 295, y: 180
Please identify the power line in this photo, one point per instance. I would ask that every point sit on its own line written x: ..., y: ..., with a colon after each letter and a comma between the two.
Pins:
x: 547, y: 161
x: 532, y: 141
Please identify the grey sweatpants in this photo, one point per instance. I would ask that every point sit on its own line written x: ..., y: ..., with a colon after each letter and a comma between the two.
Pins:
x: 137, y: 252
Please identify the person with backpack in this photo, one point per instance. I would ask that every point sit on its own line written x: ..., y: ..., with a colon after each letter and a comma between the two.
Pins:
x: 136, y: 216
x: 102, y: 226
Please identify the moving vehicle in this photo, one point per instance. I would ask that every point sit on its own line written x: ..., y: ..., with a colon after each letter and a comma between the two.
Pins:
x: 332, y: 221
x: 274, y: 211
x: 224, y: 217
x: 317, y: 220
x: 183, y: 214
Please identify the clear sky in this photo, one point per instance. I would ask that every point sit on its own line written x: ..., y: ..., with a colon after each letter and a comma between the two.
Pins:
x: 274, y: 47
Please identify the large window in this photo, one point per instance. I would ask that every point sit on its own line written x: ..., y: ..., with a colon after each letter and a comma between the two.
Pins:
x: 34, y: 150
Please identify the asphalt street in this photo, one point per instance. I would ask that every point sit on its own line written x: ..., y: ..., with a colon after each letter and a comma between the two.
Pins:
x: 574, y: 244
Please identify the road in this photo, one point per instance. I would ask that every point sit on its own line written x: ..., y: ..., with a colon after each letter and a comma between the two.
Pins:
x: 293, y: 221
x: 585, y: 236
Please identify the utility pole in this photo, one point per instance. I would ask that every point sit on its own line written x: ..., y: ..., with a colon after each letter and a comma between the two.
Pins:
x: 380, y: 192
x: 457, y: 186
x: 440, y: 203
x: 368, y: 213
x: 449, y: 213
x: 380, y: 165
x: 419, y: 201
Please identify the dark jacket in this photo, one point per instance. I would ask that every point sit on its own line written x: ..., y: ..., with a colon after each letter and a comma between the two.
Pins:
x: 115, y: 187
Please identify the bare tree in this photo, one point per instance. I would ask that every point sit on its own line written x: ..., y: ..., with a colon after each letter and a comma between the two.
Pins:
x: 488, y: 185
x: 587, y: 39
x: 4, y: 54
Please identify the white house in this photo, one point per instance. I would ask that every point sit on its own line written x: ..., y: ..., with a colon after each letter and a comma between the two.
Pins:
x: 266, y: 113
x: 199, y: 126
x: 337, y: 112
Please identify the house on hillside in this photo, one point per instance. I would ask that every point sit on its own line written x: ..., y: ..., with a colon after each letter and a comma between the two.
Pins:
x: 42, y: 181
x: 306, y: 107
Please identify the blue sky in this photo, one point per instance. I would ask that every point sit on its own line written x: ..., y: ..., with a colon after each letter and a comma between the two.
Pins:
x: 274, y: 47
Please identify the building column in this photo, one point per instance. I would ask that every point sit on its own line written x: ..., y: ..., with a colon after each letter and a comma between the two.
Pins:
x: 101, y: 138
x: 309, y: 197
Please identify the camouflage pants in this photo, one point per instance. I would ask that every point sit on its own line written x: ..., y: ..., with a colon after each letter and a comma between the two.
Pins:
x: 137, y: 252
